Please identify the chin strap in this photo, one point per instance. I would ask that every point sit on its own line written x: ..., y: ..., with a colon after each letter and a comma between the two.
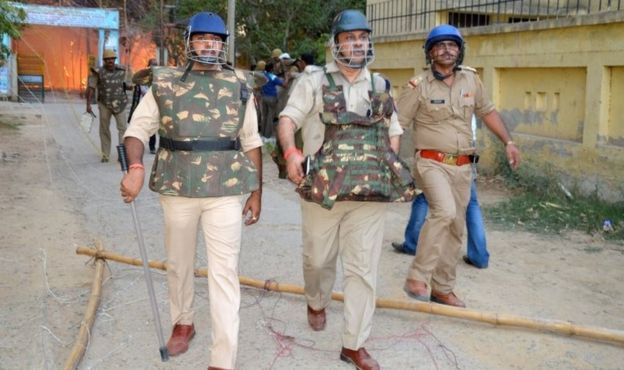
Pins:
x: 189, y: 66
x: 439, y: 76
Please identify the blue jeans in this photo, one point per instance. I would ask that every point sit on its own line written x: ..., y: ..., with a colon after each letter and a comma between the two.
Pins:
x: 477, y: 244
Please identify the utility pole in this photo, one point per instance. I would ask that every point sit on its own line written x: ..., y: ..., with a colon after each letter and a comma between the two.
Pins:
x: 161, y: 51
x: 231, y: 20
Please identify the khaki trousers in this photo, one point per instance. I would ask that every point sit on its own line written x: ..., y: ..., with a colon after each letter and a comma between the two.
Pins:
x: 105, y: 134
x: 221, y: 223
x: 447, y: 189
x: 353, y: 230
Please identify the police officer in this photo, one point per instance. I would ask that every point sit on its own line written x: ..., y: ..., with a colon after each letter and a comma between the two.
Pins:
x: 349, y: 125
x: 439, y: 105
x: 209, y: 157
x: 111, y: 84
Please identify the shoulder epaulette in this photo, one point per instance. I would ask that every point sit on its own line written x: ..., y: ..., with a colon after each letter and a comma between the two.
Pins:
x: 312, y: 69
x: 467, y: 68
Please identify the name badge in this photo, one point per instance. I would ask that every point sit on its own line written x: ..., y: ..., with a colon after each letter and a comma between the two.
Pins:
x: 437, y: 101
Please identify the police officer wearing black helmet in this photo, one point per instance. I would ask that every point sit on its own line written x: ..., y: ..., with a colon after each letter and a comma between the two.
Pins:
x: 337, y: 107
x: 439, y: 104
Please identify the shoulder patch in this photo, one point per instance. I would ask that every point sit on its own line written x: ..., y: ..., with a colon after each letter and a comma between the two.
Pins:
x: 413, y: 83
x: 467, y: 68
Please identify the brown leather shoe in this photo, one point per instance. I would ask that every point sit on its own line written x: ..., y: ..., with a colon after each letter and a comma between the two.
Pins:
x: 316, y: 319
x: 416, y: 289
x: 447, y: 299
x: 181, y: 335
x: 360, y: 358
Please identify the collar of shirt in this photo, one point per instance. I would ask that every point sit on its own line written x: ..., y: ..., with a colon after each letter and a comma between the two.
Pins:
x: 332, y: 67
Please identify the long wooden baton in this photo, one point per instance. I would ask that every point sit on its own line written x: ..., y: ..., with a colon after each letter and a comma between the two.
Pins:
x: 164, y: 354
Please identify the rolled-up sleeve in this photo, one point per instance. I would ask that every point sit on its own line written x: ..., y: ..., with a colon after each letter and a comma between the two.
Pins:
x: 145, y: 119
x: 248, y: 134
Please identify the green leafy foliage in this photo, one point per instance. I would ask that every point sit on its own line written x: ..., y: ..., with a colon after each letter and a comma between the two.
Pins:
x: 11, y: 22
x: 294, y: 26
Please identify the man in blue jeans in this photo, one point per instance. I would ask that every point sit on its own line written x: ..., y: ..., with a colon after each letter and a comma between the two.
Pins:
x: 477, y: 256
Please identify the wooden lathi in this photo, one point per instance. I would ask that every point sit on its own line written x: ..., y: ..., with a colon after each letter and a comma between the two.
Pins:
x: 552, y: 326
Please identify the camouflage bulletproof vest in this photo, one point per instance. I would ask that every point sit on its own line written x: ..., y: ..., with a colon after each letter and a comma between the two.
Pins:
x: 356, y: 161
x: 110, y: 89
x: 205, y: 106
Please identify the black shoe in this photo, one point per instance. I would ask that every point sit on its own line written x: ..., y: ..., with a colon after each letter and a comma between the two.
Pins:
x: 469, y: 262
x: 152, y: 151
x: 400, y: 248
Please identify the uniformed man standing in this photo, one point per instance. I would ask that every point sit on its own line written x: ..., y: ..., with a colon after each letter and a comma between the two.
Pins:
x: 439, y: 105
x: 208, y: 158
x: 350, y: 128
x: 111, y: 82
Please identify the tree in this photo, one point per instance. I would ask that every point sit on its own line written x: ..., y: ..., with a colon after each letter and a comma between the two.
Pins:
x: 294, y: 26
x: 11, y: 22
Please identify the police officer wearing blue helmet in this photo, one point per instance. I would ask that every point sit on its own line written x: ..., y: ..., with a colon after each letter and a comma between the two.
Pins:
x: 208, y: 162
x: 439, y: 104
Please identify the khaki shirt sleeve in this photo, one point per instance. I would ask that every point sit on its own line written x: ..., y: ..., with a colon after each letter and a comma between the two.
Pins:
x: 408, y: 104
x: 395, y: 128
x: 483, y: 104
x: 249, y: 136
x: 301, y: 101
x: 145, y: 119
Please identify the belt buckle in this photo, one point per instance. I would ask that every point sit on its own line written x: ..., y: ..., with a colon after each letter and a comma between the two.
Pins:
x: 449, y: 159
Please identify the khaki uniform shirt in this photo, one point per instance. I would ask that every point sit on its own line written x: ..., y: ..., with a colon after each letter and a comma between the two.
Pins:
x: 440, y: 114
x: 146, y: 121
x: 306, y: 102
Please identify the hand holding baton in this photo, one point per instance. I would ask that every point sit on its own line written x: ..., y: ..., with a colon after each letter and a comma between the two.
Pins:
x: 164, y: 354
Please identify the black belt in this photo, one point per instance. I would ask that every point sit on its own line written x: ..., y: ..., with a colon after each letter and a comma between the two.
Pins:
x: 199, y: 145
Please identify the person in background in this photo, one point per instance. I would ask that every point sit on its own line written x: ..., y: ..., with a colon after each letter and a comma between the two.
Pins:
x: 111, y: 82
x: 142, y: 81
x: 477, y: 255
x: 269, y: 100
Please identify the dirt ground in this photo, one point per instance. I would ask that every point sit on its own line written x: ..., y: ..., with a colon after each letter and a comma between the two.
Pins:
x: 57, y: 196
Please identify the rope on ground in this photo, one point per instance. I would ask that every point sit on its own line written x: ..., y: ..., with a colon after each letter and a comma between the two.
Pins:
x: 553, y: 326
x: 84, y: 335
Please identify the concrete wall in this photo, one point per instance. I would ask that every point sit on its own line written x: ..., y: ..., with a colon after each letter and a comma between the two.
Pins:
x: 559, y: 85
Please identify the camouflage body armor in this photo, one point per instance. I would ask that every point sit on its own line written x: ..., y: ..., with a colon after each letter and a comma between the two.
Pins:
x: 203, y: 112
x: 356, y: 161
x: 111, y: 89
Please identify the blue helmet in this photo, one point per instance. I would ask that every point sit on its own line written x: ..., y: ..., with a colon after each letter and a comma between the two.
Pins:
x: 444, y: 32
x: 214, y: 52
x: 207, y: 22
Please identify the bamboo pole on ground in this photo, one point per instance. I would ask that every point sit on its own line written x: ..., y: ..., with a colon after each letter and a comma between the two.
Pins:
x: 553, y: 326
x: 80, y: 345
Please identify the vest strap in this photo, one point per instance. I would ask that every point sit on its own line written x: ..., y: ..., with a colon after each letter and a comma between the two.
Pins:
x: 330, y: 79
x: 199, y: 145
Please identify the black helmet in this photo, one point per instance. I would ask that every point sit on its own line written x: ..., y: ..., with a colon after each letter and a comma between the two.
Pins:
x: 345, y: 21
x: 349, y: 20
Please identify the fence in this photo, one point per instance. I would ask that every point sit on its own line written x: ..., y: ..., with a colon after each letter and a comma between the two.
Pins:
x: 393, y: 17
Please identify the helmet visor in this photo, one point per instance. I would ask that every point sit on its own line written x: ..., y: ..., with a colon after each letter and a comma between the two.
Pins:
x: 206, y: 48
x: 353, y: 51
